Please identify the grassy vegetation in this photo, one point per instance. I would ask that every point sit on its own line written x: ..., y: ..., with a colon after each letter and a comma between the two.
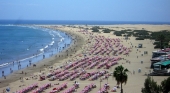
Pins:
x: 106, y: 30
x: 95, y: 29
x: 161, y: 38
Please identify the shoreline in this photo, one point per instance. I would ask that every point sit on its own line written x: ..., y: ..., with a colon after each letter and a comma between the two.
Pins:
x: 40, y: 65
x: 45, y: 50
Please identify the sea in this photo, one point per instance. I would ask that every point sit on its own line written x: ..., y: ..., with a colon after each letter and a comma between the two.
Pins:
x: 77, y: 22
x: 23, y: 44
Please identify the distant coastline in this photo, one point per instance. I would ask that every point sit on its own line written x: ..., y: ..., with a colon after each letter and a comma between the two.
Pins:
x: 76, y: 22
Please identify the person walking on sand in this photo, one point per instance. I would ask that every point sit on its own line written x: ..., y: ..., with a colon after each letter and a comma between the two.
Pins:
x: 133, y: 71
x: 18, y: 66
x: 2, y: 73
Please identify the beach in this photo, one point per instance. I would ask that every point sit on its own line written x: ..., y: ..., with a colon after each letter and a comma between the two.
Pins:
x: 84, y: 42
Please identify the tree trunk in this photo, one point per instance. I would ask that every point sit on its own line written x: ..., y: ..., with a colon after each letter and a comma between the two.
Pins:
x: 121, y: 89
x: 121, y: 84
x: 160, y: 44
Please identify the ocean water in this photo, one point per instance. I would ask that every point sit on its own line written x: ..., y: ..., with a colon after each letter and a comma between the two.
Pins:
x: 77, y: 22
x: 21, y: 45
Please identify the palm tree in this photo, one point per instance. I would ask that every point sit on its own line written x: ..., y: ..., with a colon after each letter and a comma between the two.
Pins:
x: 120, y: 75
x: 161, y: 39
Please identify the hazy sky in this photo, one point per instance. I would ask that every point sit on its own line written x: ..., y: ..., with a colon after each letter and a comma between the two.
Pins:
x: 101, y: 10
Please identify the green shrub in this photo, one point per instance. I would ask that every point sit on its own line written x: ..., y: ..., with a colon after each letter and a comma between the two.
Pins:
x: 118, y: 34
x: 157, y: 46
x: 140, y: 38
x: 156, y: 43
x: 95, y: 29
x: 106, y: 30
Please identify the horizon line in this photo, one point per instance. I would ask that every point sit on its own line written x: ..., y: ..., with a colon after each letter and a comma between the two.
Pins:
x: 81, y: 20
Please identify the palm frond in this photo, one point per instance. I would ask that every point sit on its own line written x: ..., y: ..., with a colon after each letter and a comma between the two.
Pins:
x: 120, y: 74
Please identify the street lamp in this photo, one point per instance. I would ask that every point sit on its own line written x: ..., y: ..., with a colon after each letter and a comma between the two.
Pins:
x: 107, y: 80
x: 100, y: 83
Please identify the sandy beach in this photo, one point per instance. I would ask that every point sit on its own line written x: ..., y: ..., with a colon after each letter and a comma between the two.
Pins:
x: 84, y: 43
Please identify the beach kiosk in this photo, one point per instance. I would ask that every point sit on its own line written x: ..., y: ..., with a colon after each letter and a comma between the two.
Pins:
x: 126, y: 37
x: 140, y: 45
x: 160, y: 59
x: 162, y: 65
x: 162, y: 68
